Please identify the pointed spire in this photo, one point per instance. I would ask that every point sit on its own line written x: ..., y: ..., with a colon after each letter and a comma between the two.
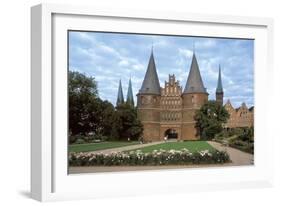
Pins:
x: 229, y: 105
x: 150, y: 84
x: 130, y: 97
x: 194, y: 82
x: 228, y: 102
x: 219, y: 85
x: 120, y: 97
x: 243, y: 105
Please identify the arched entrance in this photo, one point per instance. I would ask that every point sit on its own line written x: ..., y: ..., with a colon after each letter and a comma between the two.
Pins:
x: 171, y: 134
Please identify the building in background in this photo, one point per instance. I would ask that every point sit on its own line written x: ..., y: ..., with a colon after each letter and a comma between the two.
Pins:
x: 239, y: 117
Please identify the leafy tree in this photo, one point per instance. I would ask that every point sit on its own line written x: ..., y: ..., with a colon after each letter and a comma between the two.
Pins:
x: 126, y: 124
x: 107, y: 114
x: 247, y: 134
x: 209, y: 119
x: 90, y: 114
x: 82, y: 95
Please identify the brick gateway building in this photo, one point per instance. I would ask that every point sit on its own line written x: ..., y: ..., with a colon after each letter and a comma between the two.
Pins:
x: 169, y: 111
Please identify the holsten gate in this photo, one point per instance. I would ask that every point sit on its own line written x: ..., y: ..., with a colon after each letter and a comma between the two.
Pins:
x: 169, y: 111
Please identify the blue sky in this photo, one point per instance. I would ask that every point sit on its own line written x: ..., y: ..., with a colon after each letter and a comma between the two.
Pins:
x: 109, y: 57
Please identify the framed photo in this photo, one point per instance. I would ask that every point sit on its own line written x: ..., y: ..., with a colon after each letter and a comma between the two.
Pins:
x: 137, y: 102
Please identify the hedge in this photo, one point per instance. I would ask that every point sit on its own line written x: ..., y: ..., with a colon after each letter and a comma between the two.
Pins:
x: 137, y: 158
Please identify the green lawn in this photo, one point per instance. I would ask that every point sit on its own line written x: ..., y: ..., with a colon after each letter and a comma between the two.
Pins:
x: 98, y: 146
x: 192, y: 146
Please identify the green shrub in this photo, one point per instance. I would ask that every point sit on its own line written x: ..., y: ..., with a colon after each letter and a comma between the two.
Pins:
x: 235, y: 131
x: 74, y: 138
x: 221, y: 135
x: 80, y: 141
x: 157, y: 157
x: 243, y: 146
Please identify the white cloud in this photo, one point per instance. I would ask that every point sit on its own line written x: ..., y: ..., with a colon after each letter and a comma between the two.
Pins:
x: 158, y: 41
x: 108, y: 62
x: 109, y: 49
x: 123, y: 62
x: 138, y: 67
x: 204, y: 44
x: 185, y: 52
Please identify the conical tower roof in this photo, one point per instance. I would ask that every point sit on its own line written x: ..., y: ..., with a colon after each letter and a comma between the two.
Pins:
x: 130, y: 97
x: 150, y: 84
x: 194, y: 82
x: 120, y: 97
x: 219, y: 85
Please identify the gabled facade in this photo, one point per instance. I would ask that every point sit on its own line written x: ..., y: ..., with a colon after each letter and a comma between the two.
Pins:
x: 169, y: 111
x: 239, y: 117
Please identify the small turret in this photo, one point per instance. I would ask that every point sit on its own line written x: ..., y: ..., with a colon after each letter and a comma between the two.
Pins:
x: 130, y: 97
x: 219, y: 90
x: 120, y: 97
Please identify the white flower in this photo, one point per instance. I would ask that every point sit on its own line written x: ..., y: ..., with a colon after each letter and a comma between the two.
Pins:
x: 172, y: 151
x: 204, y: 152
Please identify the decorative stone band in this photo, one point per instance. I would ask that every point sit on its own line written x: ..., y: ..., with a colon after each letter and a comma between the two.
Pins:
x: 191, y: 108
x: 170, y: 122
x: 150, y: 108
x: 191, y: 122
x: 157, y: 108
x: 154, y: 122
x: 150, y: 122
x: 170, y: 125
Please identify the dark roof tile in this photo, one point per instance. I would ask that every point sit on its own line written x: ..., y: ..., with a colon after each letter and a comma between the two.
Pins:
x: 150, y: 84
x: 194, y: 82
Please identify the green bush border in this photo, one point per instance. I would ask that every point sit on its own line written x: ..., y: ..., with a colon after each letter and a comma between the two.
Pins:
x: 238, y: 144
x: 137, y: 158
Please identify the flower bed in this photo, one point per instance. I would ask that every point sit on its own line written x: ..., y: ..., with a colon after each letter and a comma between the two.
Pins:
x: 157, y: 157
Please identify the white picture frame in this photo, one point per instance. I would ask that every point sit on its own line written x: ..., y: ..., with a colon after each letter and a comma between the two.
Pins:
x: 49, y: 177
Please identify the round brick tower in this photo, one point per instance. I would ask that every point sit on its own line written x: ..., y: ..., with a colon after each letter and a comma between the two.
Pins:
x: 148, y: 103
x: 193, y: 97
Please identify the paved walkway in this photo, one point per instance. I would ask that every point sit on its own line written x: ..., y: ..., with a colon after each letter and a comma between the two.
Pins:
x: 125, y: 148
x: 93, y: 169
x: 237, y: 157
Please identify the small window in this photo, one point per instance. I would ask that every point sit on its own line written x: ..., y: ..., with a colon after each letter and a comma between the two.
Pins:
x: 142, y: 100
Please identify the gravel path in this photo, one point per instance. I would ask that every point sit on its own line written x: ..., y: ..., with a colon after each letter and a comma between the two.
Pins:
x: 237, y: 157
x: 94, y: 169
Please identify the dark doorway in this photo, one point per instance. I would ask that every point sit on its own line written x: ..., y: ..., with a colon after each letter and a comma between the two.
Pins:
x: 171, y: 134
